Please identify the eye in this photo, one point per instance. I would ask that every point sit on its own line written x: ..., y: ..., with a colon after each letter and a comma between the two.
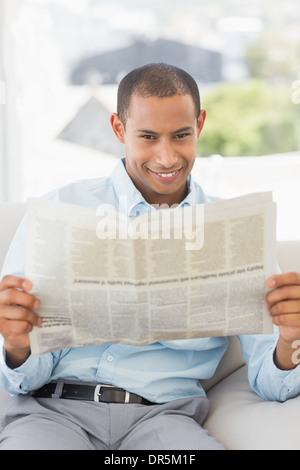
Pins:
x: 181, y: 136
x: 147, y: 137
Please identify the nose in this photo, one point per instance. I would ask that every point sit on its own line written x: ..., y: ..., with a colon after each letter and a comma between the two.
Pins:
x: 166, y: 155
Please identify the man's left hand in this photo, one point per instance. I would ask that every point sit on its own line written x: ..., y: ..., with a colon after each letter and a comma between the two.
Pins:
x: 283, y: 303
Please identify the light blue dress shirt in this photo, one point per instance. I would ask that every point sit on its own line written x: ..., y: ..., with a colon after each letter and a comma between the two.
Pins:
x: 159, y: 372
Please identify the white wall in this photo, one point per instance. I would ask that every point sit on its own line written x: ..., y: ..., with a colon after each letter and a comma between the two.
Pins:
x: 235, y: 176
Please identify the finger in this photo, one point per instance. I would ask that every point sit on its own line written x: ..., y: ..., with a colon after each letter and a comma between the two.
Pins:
x: 16, y: 297
x: 291, y: 320
x: 283, y: 293
x: 12, y: 313
x: 288, y: 307
x: 10, y: 281
x: 16, y: 328
x: 278, y: 280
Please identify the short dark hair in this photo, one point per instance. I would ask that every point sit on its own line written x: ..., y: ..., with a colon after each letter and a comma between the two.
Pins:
x: 158, y: 79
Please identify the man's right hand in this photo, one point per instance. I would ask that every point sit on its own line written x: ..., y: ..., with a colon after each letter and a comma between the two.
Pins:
x: 17, y: 318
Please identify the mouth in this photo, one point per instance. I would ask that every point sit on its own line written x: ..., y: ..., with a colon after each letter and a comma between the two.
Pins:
x: 166, y: 177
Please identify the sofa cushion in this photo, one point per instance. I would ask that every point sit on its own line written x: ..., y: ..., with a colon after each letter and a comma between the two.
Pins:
x: 3, y: 396
x: 241, y: 420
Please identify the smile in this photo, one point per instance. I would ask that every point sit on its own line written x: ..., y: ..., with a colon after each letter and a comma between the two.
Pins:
x: 166, y: 176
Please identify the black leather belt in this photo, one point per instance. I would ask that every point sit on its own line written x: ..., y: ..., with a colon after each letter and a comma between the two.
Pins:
x: 88, y: 392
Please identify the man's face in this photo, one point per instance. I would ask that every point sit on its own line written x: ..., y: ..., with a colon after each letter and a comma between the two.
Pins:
x: 160, y: 145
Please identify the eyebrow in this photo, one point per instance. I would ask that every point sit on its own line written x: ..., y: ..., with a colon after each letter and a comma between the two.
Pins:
x: 178, y: 131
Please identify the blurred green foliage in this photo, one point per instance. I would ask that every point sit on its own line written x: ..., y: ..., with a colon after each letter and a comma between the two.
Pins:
x: 249, y: 118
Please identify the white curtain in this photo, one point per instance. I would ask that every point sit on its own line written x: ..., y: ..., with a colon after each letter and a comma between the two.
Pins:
x: 10, y: 125
x: 3, y: 188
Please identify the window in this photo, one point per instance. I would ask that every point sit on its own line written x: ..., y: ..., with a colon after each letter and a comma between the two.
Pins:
x: 2, y: 107
x: 62, y: 60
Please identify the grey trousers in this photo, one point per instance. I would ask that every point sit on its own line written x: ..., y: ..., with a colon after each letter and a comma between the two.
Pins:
x: 58, y: 424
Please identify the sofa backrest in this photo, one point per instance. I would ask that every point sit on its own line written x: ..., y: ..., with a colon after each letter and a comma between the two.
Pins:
x: 288, y: 255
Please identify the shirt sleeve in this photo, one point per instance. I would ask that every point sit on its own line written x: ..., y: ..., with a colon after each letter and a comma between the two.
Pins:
x: 265, y: 378
x: 25, y: 378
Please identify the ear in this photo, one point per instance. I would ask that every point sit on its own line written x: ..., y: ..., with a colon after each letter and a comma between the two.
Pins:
x: 200, y: 122
x: 117, y: 127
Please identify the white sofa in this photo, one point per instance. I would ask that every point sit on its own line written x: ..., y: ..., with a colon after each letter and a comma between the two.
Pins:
x: 237, y: 417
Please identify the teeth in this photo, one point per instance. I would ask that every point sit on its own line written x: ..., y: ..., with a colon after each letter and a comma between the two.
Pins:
x: 167, y: 175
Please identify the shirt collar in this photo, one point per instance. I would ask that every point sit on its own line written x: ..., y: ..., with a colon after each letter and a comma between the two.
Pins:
x: 191, y: 197
x: 131, y: 201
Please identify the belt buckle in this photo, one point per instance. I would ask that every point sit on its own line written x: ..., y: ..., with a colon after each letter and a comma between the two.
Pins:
x: 97, y: 393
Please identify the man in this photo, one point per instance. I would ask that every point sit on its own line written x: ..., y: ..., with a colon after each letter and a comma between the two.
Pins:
x: 154, y: 399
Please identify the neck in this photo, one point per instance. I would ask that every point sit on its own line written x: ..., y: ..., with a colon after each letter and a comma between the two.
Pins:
x: 167, y: 200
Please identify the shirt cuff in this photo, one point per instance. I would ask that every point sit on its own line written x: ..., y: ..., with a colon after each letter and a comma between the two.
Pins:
x: 25, y: 378
x: 276, y: 384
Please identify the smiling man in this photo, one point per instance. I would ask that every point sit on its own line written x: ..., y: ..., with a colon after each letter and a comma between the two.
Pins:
x: 117, y: 396
x: 159, y: 122
x: 160, y: 136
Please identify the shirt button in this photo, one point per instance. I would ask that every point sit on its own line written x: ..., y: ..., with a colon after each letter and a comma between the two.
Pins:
x: 110, y: 358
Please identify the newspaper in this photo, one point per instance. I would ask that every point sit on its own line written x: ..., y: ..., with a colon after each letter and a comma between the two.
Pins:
x: 177, y: 273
